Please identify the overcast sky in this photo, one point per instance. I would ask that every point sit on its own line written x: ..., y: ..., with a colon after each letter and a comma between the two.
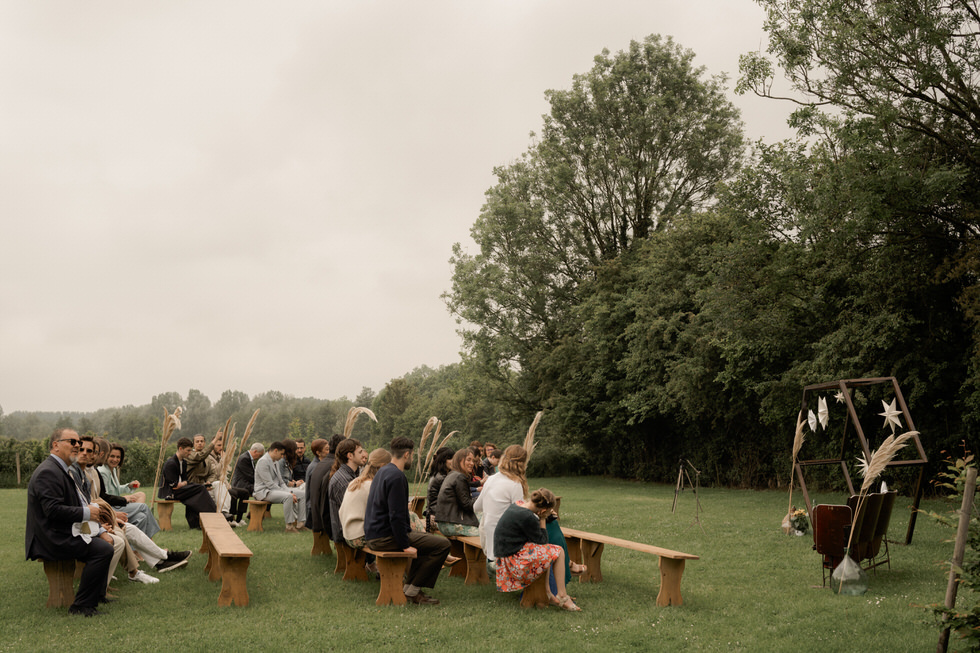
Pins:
x: 264, y: 195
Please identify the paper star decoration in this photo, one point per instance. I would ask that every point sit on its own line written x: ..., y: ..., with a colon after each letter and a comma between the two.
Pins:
x: 812, y: 420
x: 823, y: 413
x: 891, y: 415
x: 839, y: 397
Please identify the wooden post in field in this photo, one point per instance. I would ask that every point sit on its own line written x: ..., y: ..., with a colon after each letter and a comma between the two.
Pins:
x: 966, y: 511
x: 17, y: 462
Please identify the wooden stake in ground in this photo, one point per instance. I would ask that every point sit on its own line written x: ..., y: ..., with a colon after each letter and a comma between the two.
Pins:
x: 962, y: 532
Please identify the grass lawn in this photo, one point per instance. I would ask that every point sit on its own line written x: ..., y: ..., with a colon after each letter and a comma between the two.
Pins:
x: 754, y: 589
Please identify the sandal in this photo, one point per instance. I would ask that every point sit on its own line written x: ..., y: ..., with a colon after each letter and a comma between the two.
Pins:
x: 577, y: 569
x: 566, y: 603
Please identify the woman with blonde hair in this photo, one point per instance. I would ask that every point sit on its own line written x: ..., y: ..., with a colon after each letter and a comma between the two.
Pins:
x: 354, y: 504
x: 500, y: 491
x: 520, y: 542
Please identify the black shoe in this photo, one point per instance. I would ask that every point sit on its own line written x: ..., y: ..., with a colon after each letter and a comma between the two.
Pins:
x: 167, y: 565
x: 177, y: 556
x: 86, y: 612
x: 106, y: 599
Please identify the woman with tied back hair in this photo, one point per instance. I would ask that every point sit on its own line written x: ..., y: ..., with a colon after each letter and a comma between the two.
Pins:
x: 354, y: 504
x: 110, y: 476
x: 520, y: 543
x: 440, y: 466
x: 454, y: 506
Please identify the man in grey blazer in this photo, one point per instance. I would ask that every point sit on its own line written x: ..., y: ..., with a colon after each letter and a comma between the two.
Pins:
x: 54, y: 506
x: 270, y: 486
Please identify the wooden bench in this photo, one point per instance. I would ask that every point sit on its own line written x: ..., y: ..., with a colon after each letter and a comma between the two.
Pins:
x: 228, y: 558
x: 165, y: 510
x: 350, y: 562
x: 586, y: 548
x: 475, y: 569
x: 257, y: 511
x: 61, y: 576
x: 391, y: 571
x: 321, y: 544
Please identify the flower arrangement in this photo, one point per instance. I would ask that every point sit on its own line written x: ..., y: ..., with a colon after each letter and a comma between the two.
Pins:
x: 799, y: 521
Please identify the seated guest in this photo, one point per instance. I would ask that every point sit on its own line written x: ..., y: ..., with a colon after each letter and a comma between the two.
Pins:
x: 243, y: 481
x: 153, y: 555
x: 196, y: 460
x: 110, y: 476
x: 54, y: 506
x: 520, y: 543
x: 288, y: 462
x: 440, y: 469
x: 270, y: 486
x: 491, y: 461
x: 319, y: 449
x: 319, y: 489
x: 194, y: 496
x: 206, y: 470
x: 387, y: 526
x: 354, y: 505
x: 302, y: 462
x: 454, y: 506
x: 137, y: 514
x: 349, y: 457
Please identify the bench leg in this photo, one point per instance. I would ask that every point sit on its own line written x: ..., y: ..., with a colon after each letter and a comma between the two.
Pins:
x: 233, y: 588
x: 256, y: 513
x: 204, y: 540
x: 456, y: 549
x: 355, y: 564
x: 392, y: 574
x: 61, y: 577
x: 213, y: 568
x: 536, y: 594
x: 321, y: 545
x: 476, y: 565
x: 164, y: 512
x: 670, y: 582
x: 589, y: 554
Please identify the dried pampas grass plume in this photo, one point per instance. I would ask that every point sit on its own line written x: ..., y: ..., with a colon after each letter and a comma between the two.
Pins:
x: 171, y: 423
x: 797, y: 444
x: 529, y: 438
x: 352, y: 415
x: 872, y: 469
x: 248, y: 432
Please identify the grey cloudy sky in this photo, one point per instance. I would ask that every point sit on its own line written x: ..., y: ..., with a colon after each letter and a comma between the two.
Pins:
x: 264, y: 195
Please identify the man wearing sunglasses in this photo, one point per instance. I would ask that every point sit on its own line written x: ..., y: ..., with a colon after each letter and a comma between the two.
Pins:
x: 54, y: 506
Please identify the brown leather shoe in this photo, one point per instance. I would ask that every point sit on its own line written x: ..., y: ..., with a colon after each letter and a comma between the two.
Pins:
x: 422, y: 599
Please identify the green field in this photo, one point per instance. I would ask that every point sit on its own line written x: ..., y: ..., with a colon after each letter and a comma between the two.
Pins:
x: 754, y: 589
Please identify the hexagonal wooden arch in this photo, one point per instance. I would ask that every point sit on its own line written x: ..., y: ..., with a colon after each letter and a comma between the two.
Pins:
x: 847, y: 386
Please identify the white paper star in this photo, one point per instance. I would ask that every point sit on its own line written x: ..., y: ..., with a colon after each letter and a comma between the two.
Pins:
x: 839, y: 397
x: 891, y: 415
x: 812, y: 420
x: 823, y: 413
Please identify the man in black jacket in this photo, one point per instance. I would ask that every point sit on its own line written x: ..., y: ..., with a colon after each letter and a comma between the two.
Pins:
x: 194, y: 496
x: 243, y: 481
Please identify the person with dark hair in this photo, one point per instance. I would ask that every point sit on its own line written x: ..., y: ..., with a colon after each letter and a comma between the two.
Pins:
x: 54, y: 506
x: 490, y: 463
x: 349, y: 457
x: 302, y: 462
x: 387, y: 526
x: 288, y: 462
x: 110, y: 476
x: 440, y: 469
x: 319, y: 449
x: 194, y: 496
x: 319, y: 485
x: 270, y: 486
x: 520, y: 544
x: 454, y: 505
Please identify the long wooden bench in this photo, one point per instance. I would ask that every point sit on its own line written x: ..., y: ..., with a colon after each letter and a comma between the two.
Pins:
x: 165, y: 510
x: 475, y: 569
x: 391, y: 571
x: 350, y: 562
x: 586, y: 548
x: 61, y: 576
x: 257, y: 511
x: 228, y: 558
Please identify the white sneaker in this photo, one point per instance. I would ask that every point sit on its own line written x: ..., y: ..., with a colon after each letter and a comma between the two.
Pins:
x: 143, y: 577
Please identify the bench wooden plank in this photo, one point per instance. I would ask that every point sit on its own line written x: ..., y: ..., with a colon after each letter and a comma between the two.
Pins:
x: 61, y: 586
x: 391, y: 571
x: 354, y: 561
x: 587, y: 548
x: 165, y: 510
x: 228, y: 559
x: 256, y: 513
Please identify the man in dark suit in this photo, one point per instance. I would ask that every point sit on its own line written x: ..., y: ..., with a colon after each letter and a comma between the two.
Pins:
x: 194, y: 496
x: 54, y: 504
x: 243, y: 481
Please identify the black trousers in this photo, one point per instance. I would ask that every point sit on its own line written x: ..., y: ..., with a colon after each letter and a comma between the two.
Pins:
x: 432, y: 553
x: 91, y: 586
x: 238, y: 505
